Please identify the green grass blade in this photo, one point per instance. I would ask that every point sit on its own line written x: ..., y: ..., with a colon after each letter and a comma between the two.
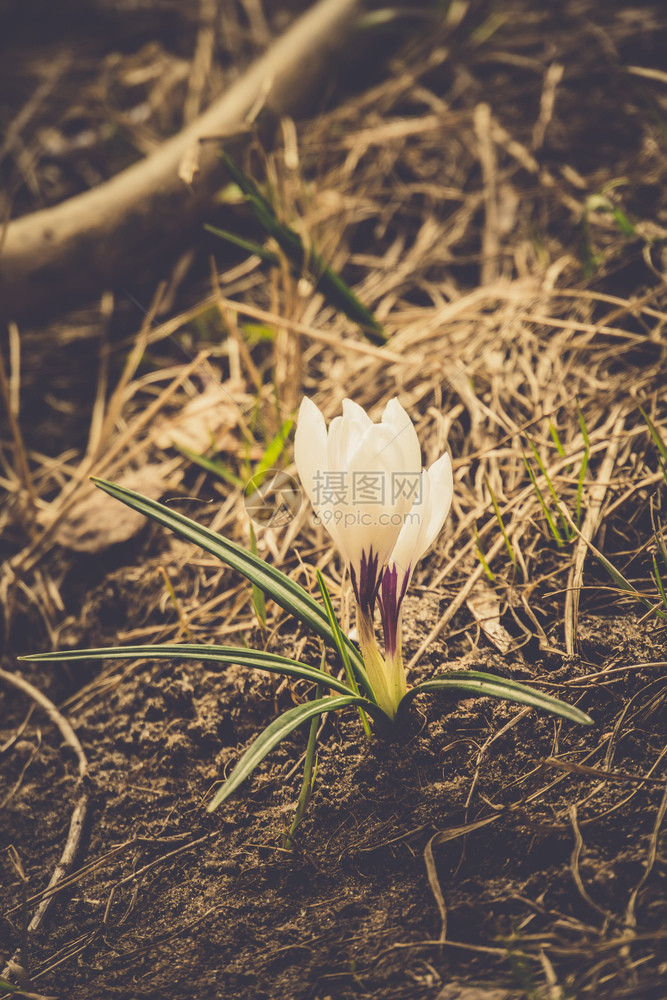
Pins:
x: 308, y: 781
x: 556, y: 439
x: 342, y: 652
x: 554, y: 530
x: 18, y: 991
x: 243, y: 657
x: 327, y: 281
x: 486, y: 685
x: 258, y: 599
x: 657, y: 440
x: 273, y: 735
x: 658, y: 580
x: 661, y: 545
x: 211, y: 465
x: 249, y: 245
x: 285, y: 592
x: 552, y: 491
x: 500, y: 522
x: 621, y: 582
x: 274, y: 449
x: 623, y: 222
x: 482, y: 558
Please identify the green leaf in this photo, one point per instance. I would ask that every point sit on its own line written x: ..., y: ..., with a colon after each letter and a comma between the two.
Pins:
x: 500, y: 522
x: 273, y: 735
x: 284, y: 591
x: 211, y: 465
x: 486, y: 685
x: 556, y: 439
x: 249, y: 245
x: 257, y: 658
x: 274, y: 450
x: 20, y: 992
x: 480, y: 555
x: 623, y: 222
x: 258, y: 599
x: 621, y: 582
x: 339, y: 638
x: 258, y: 332
x: 309, y: 772
x: 550, y: 485
x: 554, y: 530
x: 342, y: 652
x: 327, y: 281
x: 658, y: 580
x: 658, y: 442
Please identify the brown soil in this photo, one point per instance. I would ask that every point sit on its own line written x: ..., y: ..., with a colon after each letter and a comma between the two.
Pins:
x: 477, y: 199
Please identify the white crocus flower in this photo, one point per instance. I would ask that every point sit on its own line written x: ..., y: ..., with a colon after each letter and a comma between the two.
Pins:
x: 367, y: 487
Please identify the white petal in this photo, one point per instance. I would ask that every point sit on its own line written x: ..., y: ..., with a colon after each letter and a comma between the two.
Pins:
x: 310, y: 456
x: 346, y: 433
x: 441, y: 481
x: 374, y: 522
x: 405, y: 449
x: 426, y: 518
x: 310, y: 447
x: 409, y: 543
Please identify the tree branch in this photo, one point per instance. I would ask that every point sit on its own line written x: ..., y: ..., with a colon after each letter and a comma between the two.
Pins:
x: 76, y: 249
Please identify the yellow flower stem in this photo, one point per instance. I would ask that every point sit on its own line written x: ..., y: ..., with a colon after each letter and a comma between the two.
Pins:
x: 396, y: 671
x: 375, y: 663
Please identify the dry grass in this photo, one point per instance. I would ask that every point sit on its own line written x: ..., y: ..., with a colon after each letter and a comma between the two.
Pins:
x: 470, y: 198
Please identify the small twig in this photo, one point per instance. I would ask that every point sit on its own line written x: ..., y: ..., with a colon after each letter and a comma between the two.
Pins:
x: 574, y: 863
x: 441, y: 838
x: 552, y: 78
x: 630, y: 914
x: 598, y: 772
x: 79, y: 814
x: 596, y: 496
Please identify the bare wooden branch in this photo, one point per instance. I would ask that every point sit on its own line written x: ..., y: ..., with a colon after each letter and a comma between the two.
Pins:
x: 86, y: 244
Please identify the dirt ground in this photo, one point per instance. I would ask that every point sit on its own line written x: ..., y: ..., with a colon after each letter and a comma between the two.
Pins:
x: 494, y: 188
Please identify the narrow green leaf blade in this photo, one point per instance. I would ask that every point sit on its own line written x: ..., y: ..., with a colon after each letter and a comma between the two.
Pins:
x: 249, y: 245
x: 284, y: 591
x: 339, y: 639
x: 500, y: 522
x: 258, y: 598
x: 555, y: 437
x: 274, y: 449
x: 256, y: 658
x: 211, y: 465
x: 658, y: 579
x: 336, y: 291
x: 554, y: 530
x: 486, y: 685
x: 273, y: 735
x: 20, y: 992
x: 657, y: 440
